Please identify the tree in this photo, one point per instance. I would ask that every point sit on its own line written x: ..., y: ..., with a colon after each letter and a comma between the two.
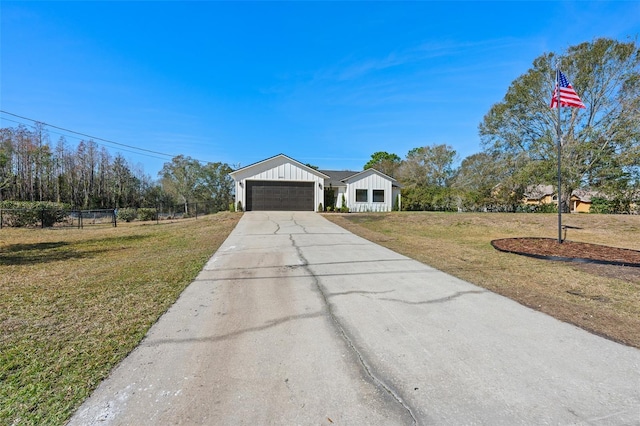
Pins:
x: 426, y: 175
x: 384, y: 162
x: 475, y: 181
x: 216, y: 185
x: 181, y: 177
x: 123, y: 183
x: 429, y: 166
x: 6, y: 174
x: 600, y: 145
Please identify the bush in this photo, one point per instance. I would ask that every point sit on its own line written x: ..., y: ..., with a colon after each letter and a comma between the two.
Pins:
x: 396, y: 204
x: 537, y: 208
x: 146, y: 214
x: 240, y: 206
x: 320, y: 208
x: 32, y: 213
x: 600, y: 206
x: 126, y: 214
x: 232, y: 207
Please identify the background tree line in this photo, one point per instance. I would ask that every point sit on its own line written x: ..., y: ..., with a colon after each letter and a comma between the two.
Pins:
x: 600, y: 146
x: 89, y: 177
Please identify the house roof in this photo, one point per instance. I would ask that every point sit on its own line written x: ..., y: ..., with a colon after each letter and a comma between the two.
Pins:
x: 537, y: 192
x: 336, y: 177
x: 299, y: 164
x: 585, y: 195
x: 339, y: 177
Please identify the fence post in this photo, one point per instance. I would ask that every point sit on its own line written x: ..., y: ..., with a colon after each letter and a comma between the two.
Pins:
x: 1, y: 219
x: 157, y: 216
x: 42, y: 217
x: 115, y: 221
x: 196, y: 207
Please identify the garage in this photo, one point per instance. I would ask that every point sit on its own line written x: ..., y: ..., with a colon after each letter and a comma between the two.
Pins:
x: 280, y: 195
x: 278, y: 183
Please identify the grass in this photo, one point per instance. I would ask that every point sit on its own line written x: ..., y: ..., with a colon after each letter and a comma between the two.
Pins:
x: 73, y: 303
x: 602, y: 299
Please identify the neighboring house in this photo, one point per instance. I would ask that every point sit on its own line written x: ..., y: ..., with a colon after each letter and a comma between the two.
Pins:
x: 540, y: 194
x: 580, y: 201
x: 282, y: 183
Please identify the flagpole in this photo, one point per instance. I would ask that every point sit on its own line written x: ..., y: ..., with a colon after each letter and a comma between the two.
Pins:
x: 559, y: 135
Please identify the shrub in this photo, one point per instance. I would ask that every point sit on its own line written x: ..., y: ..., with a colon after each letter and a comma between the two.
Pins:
x: 147, y: 214
x: 240, y: 206
x: 126, y: 214
x: 396, y: 204
x: 601, y: 206
x: 320, y: 208
x: 32, y: 213
x: 232, y: 207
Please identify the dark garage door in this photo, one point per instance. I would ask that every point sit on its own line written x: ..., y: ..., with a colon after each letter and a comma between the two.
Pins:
x: 278, y: 195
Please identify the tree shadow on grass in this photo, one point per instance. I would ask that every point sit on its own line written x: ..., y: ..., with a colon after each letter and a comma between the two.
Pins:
x: 35, y: 253
x: 29, y: 254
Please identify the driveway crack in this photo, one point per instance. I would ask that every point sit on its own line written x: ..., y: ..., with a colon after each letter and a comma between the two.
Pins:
x: 275, y: 223
x: 345, y: 336
x: 304, y: 229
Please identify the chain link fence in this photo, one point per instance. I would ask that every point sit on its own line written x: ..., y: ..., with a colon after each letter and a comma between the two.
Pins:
x: 56, y: 218
x: 78, y: 218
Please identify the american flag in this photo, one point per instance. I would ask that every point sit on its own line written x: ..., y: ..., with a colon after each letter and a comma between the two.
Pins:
x: 568, y: 96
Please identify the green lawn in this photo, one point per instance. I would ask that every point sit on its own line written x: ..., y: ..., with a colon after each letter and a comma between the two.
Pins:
x: 73, y: 303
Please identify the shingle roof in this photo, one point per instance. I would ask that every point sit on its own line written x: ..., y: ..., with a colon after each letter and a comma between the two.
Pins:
x: 537, y: 192
x: 336, y: 177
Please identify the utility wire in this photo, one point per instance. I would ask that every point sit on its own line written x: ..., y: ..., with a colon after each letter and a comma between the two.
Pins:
x: 85, y: 135
x: 99, y: 144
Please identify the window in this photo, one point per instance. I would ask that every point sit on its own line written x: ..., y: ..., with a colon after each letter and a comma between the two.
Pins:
x: 361, y: 195
x: 378, y: 195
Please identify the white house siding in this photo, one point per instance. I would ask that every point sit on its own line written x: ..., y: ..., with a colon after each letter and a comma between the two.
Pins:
x: 279, y: 168
x: 369, y: 180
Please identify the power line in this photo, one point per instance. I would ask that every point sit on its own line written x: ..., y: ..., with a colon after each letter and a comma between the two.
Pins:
x: 86, y: 135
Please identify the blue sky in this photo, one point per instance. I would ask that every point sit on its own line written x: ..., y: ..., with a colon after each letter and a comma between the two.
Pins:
x: 327, y: 83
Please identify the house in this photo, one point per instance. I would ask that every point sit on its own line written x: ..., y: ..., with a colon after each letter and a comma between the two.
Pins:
x: 540, y: 194
x: 580, y: 201
x: 282, y: 183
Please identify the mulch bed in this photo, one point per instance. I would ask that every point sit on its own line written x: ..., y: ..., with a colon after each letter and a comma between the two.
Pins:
x: 568, y: 251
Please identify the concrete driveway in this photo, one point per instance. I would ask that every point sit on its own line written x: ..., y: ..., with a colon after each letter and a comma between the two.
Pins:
x: 296, y: 321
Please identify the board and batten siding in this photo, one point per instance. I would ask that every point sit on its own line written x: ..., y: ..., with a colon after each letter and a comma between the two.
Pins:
x: 280, y: 169
x: 370, y: 180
